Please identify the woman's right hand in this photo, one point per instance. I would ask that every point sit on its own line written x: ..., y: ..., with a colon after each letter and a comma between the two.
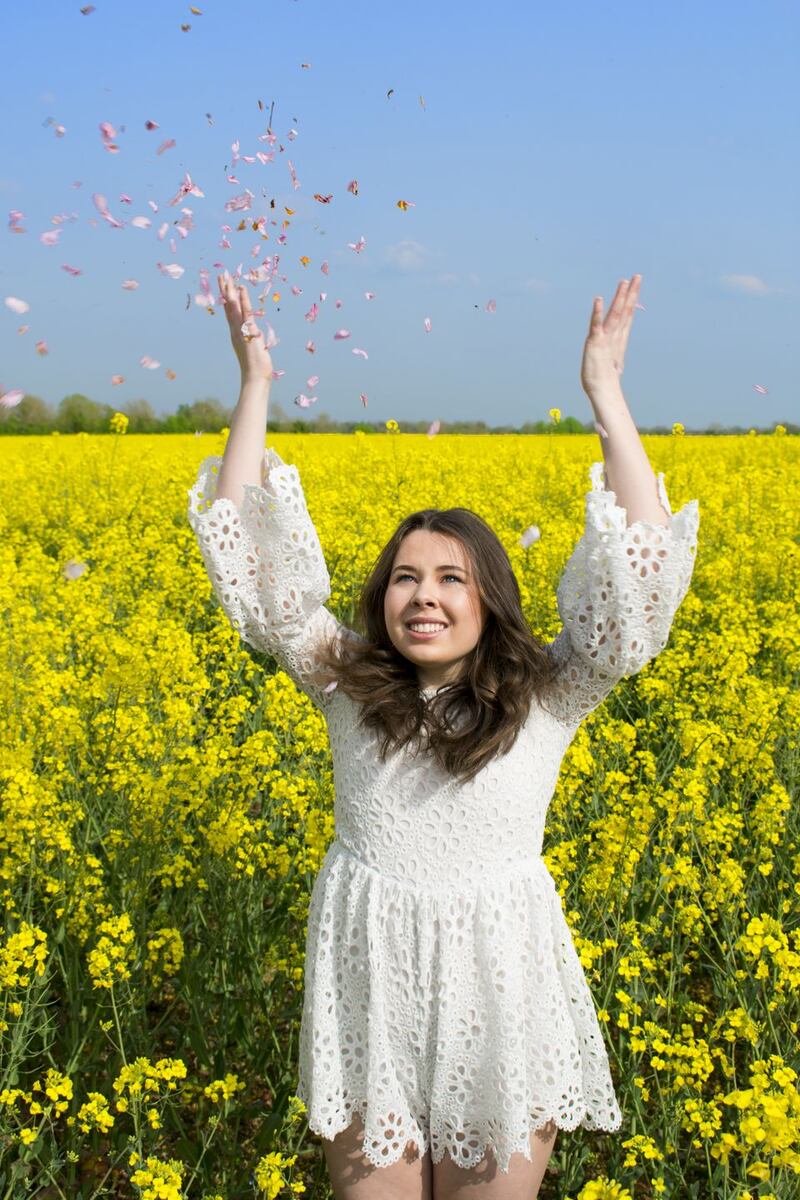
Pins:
x: 251, y: 351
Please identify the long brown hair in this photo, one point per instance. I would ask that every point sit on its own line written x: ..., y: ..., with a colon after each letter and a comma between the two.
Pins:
x: 498, y: 679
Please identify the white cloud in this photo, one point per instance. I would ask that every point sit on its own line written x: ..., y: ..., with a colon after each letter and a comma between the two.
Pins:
x: 746, y: 283
x: 407, y: 255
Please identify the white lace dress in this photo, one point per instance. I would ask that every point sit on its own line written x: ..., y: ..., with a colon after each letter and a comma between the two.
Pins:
x: 444, y: 1001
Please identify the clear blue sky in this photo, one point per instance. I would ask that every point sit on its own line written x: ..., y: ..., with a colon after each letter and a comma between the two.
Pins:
x: 561, y: 148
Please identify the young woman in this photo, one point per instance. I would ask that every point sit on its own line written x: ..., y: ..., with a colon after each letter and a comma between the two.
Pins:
x: 448, y: 1031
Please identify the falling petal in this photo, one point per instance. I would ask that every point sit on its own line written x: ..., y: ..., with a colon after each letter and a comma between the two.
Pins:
x: 41, y: 348
x: 108, y: 133
x: 11, y: 398
x: 331, y: 686
x: 171, y: 374
x: 427, y: 323
x: 491, y: 306
x: 312, y: 382
x: 172, y: 269
x: 323, y: 296
x: 170, y: 142
x: 14, y: 219
x: 363, y: 397
x: 17, y: 306
x: 303, y: 401
x: 363, y: 353
x: 124, y: 198
x: 296, y: 291
x: 338, y: 303
x: 87, y: 8
x: 23, y: 329
x: 130, y: 285
x: 641, y: 306
x: 150, y: 363
x: 405, y: 204
x: 341, y: 334
x: 530, y: 536
x: 141, y: 222
x: 310, y: 347
x: 325, y: 269
x: 369, y: 295
x: 323, y: 199
x: 760, y: 389
x: 73, y: 570
x: 359, y: 245
x: 101, y: 205
x: 115, y: 379
x: 71, y: 270
x: 422, y: 101
x: 151, y: 125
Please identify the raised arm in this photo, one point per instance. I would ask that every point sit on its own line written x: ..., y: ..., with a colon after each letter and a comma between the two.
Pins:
x: 244, y: 452
x: 257, y: 539
x: 632, y: 566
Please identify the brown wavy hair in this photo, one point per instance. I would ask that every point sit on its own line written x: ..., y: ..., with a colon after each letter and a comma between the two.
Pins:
x: 498, y: 680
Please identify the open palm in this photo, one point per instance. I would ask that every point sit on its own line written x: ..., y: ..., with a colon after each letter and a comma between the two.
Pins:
x: 604, y: 349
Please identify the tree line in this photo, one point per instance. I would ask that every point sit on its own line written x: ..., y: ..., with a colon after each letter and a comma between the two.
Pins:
x: 78, y: 414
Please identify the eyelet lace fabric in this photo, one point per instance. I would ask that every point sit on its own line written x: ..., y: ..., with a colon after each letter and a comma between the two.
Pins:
x: 444, y: 1001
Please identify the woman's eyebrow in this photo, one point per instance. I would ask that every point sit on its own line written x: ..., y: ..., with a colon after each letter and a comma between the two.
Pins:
x: 443, y: 567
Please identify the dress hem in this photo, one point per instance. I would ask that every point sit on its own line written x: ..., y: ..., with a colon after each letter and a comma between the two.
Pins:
x: 422, y: 1141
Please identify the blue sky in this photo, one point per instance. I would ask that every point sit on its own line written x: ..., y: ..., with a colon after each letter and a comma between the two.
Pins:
x: 560, y: 148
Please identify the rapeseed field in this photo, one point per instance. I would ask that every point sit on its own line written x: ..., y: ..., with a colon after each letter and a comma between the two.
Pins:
x: 166, y: 800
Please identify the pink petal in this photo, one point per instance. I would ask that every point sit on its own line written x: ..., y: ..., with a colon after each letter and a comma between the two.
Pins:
x: 363, y: 399
x: 359, y: 245
x: 141, y: 222
x: 162, y: 232
x: 153, y: 205
x: 369, y: 295
x: 491, y: 306
x: 427, y: 324
x: 341, y: 333
x: 311, y: 315
x: 125, y: 199
x: 363, y: 353
x: 172, y: 269
x: 532, y: 534
x: 41, y: 348
x: 151, y: 125
x: 305, y: 401
x: 170, y: 142
x: 115, y: 379
x: 760, y: 389
x: 150, y: 363
x: 323, y: 296
x: 14, y: 219
x: 338, y: 304
x: 296, y: 291
x: 325, y: 269
x: 11, y: 399
x: 353, y: 186
x: 434, y: 428
x: 130, y: 285
x: 310, y: 347
x: 312, y: 382
x: 72, y: 270
x: 17, y: 306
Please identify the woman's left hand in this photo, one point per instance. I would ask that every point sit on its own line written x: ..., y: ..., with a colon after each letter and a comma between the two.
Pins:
x: 604, y: 349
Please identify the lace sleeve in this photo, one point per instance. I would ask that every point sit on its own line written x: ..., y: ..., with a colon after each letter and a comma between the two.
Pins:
x: 267, y: 568
x: 617, y: 597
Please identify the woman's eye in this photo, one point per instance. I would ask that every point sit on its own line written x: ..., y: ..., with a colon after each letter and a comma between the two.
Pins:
x: 407, y: 576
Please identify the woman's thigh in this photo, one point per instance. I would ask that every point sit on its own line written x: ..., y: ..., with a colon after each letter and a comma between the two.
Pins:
x: 487, y: 1182
x: 353, y: 1177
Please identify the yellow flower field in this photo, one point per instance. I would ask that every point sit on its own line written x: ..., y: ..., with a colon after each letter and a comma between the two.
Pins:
x: 166, y: 800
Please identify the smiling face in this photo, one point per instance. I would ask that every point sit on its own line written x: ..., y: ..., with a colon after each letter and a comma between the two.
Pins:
x: 432, y: 582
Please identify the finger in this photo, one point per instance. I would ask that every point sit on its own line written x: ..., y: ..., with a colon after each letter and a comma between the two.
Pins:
x: 244, y: 301
x: 596, y: 319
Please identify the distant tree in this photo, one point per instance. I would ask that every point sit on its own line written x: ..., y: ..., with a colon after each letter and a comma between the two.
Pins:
x: 31, y: 415
x: 206, y: 415
x: 141, y: 418
x: 78, y: 414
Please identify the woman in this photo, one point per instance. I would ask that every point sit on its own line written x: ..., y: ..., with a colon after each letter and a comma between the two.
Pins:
x: 448, y: 1030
